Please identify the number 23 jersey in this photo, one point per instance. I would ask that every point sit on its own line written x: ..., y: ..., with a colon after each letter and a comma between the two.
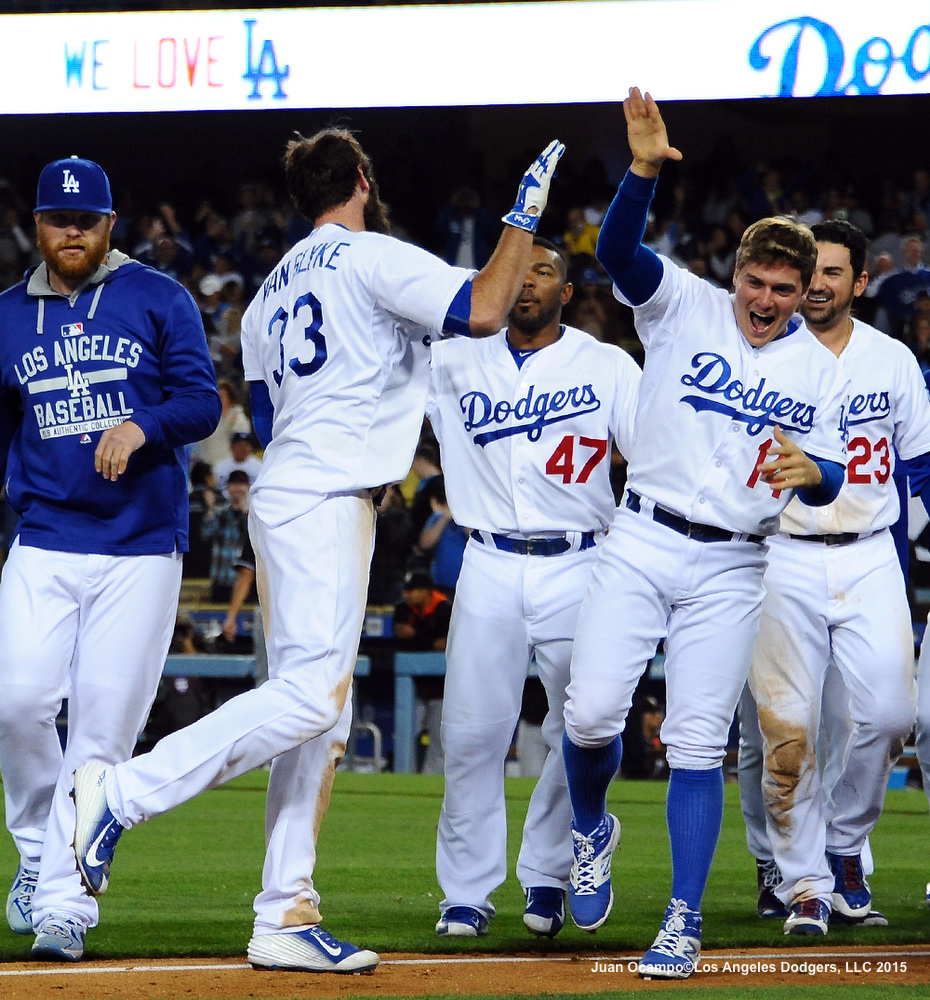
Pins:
x: 888, y: 413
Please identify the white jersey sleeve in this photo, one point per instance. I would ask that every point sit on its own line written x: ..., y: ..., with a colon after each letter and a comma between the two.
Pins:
x: 709, y: 403
x: 888, y: 412
x: 340, y: 334
x: 526, y: 450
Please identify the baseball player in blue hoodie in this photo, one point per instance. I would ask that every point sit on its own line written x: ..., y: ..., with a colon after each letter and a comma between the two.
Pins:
x: 105, y: 376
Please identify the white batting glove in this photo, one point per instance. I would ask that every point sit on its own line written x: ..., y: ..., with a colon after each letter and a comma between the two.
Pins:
x: 534, y: 189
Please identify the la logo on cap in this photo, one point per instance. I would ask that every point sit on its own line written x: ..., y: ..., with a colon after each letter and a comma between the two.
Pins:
x: 70, y: 184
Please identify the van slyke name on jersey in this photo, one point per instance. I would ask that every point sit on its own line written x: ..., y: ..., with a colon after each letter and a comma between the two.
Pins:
x: 528, y: 415
x: 754, y: 406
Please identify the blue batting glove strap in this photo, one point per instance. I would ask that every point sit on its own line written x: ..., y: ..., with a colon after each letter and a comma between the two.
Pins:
x: 534, y: 189
x: 521, y: 220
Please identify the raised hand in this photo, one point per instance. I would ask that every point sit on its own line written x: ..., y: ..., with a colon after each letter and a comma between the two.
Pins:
x: 646, y: 134
x: 534, y: 189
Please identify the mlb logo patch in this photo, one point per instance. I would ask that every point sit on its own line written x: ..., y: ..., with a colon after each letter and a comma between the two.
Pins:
x: 72, y: 330
x: 85, y: 439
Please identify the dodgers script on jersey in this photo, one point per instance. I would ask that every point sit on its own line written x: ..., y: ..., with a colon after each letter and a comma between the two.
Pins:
x: 709, y: 396
x: 888, y: 411
x: 524, y: 449
x: 347, y: 409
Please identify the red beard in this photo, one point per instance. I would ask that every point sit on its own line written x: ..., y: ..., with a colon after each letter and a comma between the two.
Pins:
x: 74, y: 268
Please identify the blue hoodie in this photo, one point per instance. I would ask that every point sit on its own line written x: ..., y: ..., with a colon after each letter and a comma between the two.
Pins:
x: 129, y: 344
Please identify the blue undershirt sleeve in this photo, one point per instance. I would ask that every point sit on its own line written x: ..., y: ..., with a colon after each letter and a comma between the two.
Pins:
x: 634, y: 268
x: 899, y: 528
x: 459, y: 313
x: 262, y: 412
x: 827, y: 490
x: 918, y: 477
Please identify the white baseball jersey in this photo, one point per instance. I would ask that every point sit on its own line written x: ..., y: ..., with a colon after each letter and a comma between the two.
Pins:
x: 709, y: 402
x: 525, y: 450
x: 347, y: 408
x: 888, y: 411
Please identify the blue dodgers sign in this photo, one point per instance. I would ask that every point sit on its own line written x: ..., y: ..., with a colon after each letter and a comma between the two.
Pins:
x: 871, y: 62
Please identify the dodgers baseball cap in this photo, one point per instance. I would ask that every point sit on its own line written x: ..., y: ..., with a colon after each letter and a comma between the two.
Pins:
x: 74, y: 185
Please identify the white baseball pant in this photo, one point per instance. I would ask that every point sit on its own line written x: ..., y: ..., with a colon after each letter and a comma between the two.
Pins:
x: 312, y: 576
x: 648, y: 581
x: 94, y: 629
x: 508, y: 607
x: 848, y: 601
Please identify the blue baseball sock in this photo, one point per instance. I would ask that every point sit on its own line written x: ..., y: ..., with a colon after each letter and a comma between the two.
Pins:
x: 694, y: 810
x: 590, y: 771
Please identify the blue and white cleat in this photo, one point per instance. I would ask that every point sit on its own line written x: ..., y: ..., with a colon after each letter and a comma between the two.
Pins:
x: 19, y: 900
x: 462, y: 921
x: 311, y: 950
x: 96, y: 830
x: 59, y: 939
x: 809, y: 917
x: 677, y: 948
x: 852, y: 896
x: 590, y: 894
x: 544, y: 915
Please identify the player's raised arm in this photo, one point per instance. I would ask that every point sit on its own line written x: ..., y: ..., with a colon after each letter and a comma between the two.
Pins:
x: 634, y: 268
x: 496, y: 286
x: 646, y: 134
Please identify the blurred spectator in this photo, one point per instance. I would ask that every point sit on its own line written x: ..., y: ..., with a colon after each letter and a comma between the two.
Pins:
x: 15, y: 245
x: 393, y: 540
x: 202, y: 481
x: 225, y: 526
x: 581, y: 236
x: 216, y: 238
x: 896, y: 296
x: 802, y: 208
x: 233, y: 420
x: 243, y: 459
x: 166, y: 246
x: 443, y: 541
x: 421, y: 624
x: 919, y: 339
x: 588, y: 310
x: 421, y: 619
x: 253, y: 216
x: 231, y: 638
x: 426, y: 469
x: 210, y: 299
x: 720, y: 251
x: 467, y: 230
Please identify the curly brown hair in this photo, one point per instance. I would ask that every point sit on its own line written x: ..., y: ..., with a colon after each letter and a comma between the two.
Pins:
x: 322, y: 170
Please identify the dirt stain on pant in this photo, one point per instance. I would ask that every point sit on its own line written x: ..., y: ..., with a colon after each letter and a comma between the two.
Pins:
x: 787, y: 755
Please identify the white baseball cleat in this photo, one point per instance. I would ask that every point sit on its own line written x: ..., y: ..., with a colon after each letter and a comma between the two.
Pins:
x: 59, y: 939
x: 96, y: 830
x: 19, y: 900
x: 311, y: 950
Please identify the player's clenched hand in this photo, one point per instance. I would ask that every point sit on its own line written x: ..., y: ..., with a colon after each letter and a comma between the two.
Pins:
x: 646, y: 133
x: 534, y: 189
x: 787, y: 467
x: 114, y: 448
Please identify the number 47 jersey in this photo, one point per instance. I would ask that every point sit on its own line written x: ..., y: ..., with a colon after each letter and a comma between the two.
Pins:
x: 526, y: 442
x: 340, y: 333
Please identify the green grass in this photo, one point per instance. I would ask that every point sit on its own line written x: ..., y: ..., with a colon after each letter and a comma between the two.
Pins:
x: 183, y: 884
